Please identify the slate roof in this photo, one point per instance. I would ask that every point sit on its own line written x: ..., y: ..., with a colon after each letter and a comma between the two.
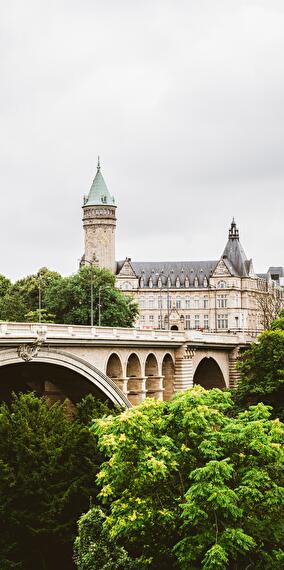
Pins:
x: 99, y: 193
x: 172, y: 269
x: 235, y: 254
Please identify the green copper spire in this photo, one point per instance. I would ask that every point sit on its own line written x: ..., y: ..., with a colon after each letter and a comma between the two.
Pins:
x: 99, y: 193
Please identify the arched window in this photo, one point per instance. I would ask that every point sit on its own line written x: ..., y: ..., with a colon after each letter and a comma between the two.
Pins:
x: 205, y: 282
x: 178, y: 302
x: 186, y: 282
x: 187, y: 302
x: 142, y: 302
x: 222, y: 284
x: 150, y: 282
x: 142, y: 282
x: 126, y: 286
x: 177, y: 281
x: 196, y: 282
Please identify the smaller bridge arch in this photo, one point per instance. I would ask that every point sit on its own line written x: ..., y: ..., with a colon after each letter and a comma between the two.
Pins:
x: 168, y: 373
x: 209, y: 374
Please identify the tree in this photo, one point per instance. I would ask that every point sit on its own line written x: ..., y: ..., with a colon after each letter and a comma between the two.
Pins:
x: 69, y: 298
x: 269, y: 303
x: 188, y: 486
x: 21, y: 300
x: 262, y: 371
x: 48, y: 467
x: 5, y: 285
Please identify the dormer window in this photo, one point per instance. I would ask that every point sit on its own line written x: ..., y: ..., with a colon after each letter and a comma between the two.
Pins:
x: 142, y: 282
x: 186, y: 282
x: 177, y: 281
x: 205, y: 282
x: 126, y: 286
x: 151, y: 282
x: 160, y: 282
x: 196, y: 282
x: 221, y: 284
x: 169, y: 282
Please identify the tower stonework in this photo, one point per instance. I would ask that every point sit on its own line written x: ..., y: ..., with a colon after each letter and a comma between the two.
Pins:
x: 99, y: 221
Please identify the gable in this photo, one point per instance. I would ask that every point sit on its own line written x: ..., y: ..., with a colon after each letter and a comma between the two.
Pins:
x: 221, y: 270
x: 127, y: 269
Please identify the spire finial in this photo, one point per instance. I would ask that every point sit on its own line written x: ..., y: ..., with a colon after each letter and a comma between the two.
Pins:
x: 99, y: 164
x: 233, y: 231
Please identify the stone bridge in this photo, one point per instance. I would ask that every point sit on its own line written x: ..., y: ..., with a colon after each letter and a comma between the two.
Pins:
x: 119, y: 364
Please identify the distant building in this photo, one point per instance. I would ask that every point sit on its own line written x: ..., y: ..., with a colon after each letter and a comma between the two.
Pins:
x: 222, y: 294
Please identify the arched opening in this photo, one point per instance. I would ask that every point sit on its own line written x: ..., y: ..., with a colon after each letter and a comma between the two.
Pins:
x: 154, y: 381
x: 114, y: 367
x: 115, y: 372
x: 168, y: 372
x: 174, y: 328
x: 209, y: 375
x: 57, y: 374
x: 136, y: 384
x: 55, y: 382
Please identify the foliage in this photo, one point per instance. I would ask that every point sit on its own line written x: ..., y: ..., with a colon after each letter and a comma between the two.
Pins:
x: 95, y: 550
x: 187, y: 486
x: 262, y: 371
x: 21, y: 300
x: 48, y: 466
x: 279, y: 322
x: 69, y: 299
x: 5, y: 285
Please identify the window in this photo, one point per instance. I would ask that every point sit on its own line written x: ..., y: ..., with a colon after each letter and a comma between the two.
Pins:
x: 222, y: 284
x: 187, y: 322
x: 151, y: 303
x: 142, y: 282
x: 142, y: 303
x: 126, y: 286
x: 178, y: 303
x: 170, y: 302
x: 142, y: 320
x: 222, y: 321
x: 205, y: 282
x: 187, y: 302
x: 196, y: 321
x: 222, y: 301
x: 177, y: 282
x: 196, y: 303
x: 205, y: 302
x: 151, y: 319
x: 206, y: 321
x: 196, y: 282
x: 186, y: 282
x: 160, y: 302
x: 160, y: 321
x: 150, y: 282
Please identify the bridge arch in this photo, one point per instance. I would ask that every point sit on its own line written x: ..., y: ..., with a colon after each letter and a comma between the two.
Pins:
x: 168, y: 372
x: 100, y: 382
x: 209, y: 374
x: 153, y: 379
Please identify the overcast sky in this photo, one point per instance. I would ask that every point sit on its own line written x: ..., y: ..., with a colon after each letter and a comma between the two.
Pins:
x: 182, y: 99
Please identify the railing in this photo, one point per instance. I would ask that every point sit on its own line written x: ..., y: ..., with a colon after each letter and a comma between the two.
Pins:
x: 80, y: 332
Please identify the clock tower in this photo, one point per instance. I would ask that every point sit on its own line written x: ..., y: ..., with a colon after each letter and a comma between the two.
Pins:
x: 99, y: 223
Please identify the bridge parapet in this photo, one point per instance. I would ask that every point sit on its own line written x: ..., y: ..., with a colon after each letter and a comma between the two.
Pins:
x: 79, y: 332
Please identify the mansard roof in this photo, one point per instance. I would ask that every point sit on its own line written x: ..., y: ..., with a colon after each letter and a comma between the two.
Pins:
x: 192, y: 270
x: 99, y: 193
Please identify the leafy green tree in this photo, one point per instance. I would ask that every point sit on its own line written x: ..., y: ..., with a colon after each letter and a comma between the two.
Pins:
x: 45, y: 317
x: 48, y: 467
x: 5, y: 285
x: 69, y: 299
x: 94, y: 548
x: 21, y: 300
x: 188, y: 486
x: 279, y: 322
x: 262, y: 372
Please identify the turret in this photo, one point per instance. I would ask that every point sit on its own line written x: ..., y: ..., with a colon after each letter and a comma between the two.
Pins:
x: 99, y: 223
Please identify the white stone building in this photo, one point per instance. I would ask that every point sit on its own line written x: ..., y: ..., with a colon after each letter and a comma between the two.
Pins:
x: 218, y: 295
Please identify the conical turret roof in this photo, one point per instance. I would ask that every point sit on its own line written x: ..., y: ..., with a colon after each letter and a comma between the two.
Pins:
x: 99, y: 193
x: 234, y: 252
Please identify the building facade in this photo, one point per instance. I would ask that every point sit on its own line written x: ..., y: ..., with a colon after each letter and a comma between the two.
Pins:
x: 224, y: 294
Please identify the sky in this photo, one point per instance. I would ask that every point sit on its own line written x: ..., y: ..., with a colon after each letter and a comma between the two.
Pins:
x: 182, y: 100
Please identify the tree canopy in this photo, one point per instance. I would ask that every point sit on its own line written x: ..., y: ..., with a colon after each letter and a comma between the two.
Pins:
x: 67, y: 299
x: 48, y: 467
x: 186, y: 485
x: 262, y: 370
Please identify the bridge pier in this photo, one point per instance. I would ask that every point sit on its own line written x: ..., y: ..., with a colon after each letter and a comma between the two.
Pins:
x: 234, y: 375
x: 136, y: 392
x: 154, y: 387
x: 183, y: 369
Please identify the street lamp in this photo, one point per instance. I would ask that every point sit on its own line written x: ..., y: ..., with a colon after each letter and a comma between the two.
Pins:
x: 100, y: 288
x: 92, y: 291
